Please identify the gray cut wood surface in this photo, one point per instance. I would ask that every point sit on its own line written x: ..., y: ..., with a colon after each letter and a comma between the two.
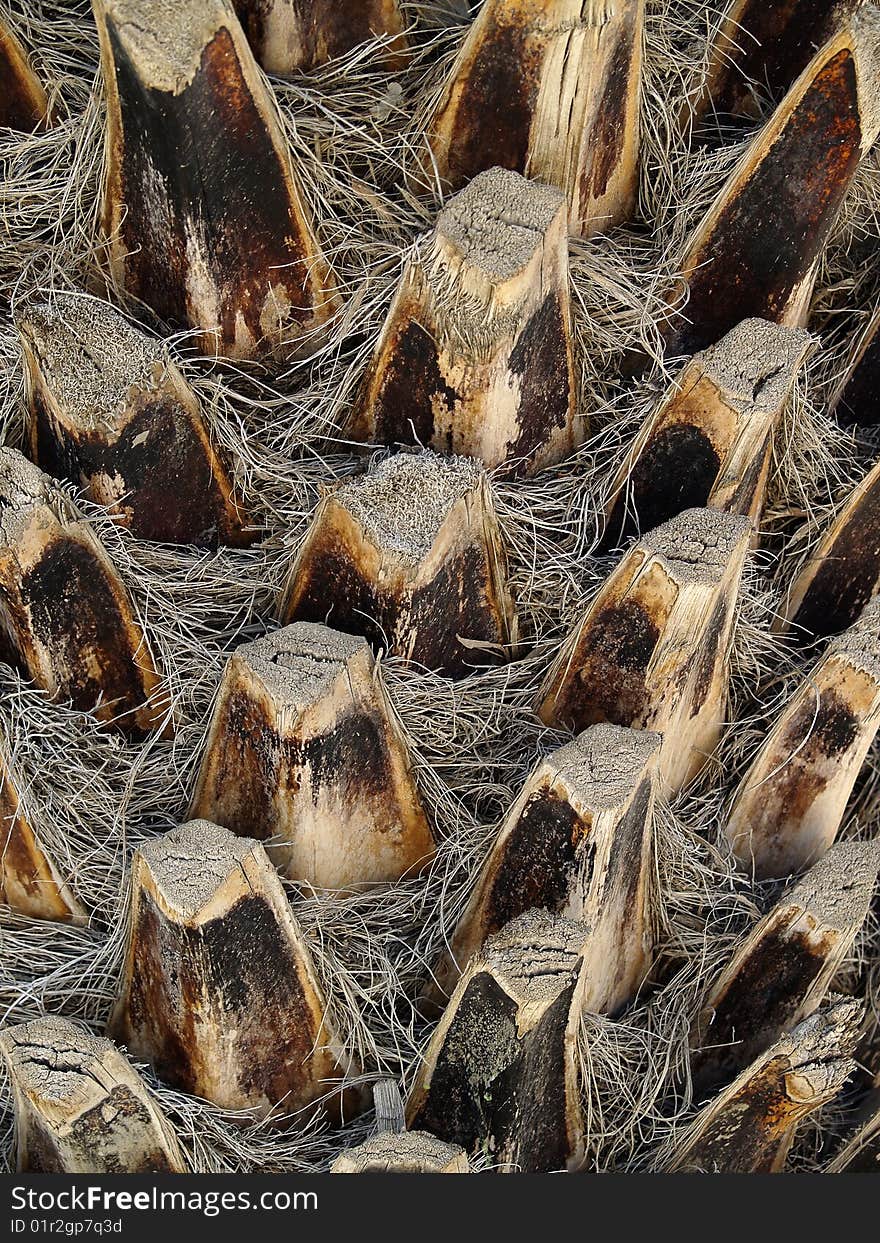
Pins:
x: 65, y: 612
x: 476, y: 354
x: 749, y: 1128
x: 290, y: 35
x: 412, y: 556
x: 81, y: 1107
x: 409, y: 1152
x: 110, y: 411
x: 219, y: 991
x: 710, y: 440
x: 202, y: 213
x: 790, y: 804
x: 304, y: 749
x: 550, y: 89
x: 784, y: 966
x: 758, y: 249
x: 652, y: 650
x: 499, y: 1077
x: 578, y: 841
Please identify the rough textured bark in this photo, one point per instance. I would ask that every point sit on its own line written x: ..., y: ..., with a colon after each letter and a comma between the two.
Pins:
x: 765, y: 44
x: 789, y: 806
x: 843, y: 573
x: 23, y: 102
x: 857, y: 397
x: 652, y: 651
x: 112, y: 412
x: 219, y: 991
x: 81, y: 1107
x: 748, y: 1129
x: 578, y: 841
x: 550, y: 90
x: 860, y: 1154
x: 289, y: 35
x: 476, y: 355
x: 393, y: 1150
x: 710, y: 439
x: 64, y: 609
x: 410, y: 555
x: 757, y: 250
x: 784, y: 966
x: 303, y: 749
x: 500, y: 1076
x: 202, y: 213
x: 30, y: 883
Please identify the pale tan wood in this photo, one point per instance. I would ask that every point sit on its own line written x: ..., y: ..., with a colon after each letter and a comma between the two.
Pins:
x: 652, y: 650
x: 65, y: 610
x: 303, y: 748
x: 578, y: 841
x: 757, y: 250
x: 500, y: 1075
x: 111, y: 411
x: 412, y: 556
x: 81, y: 1107
x: 30, y: 882
x: 783, y: 967
x: 789, y: 806
x: 476, y: 354
x: 24, y: 104
x: 219, y: 991
x: 550, y: 89
x: 203, y: 216
x: 710, y: 440
x: 748, y: 1128
x: 291, y: 35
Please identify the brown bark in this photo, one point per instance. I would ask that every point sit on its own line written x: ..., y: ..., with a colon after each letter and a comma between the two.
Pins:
x: 578, y: 841
x: 789, y: 806
x: 304, y: 749
x: 550, y: 90
x: 65, y: 610
x: 110, y: 411
x: 23, y: 102
x: 710, y: 439
x: 219, y: 990
x: 204, y: 219
x: 652, y: 651
x: 748, y: 1129
x: 783, y: 968
x: 290, y: 35
x: 857, y: 397
x: 476, y: 354
x: 499, y: 1076
x: 81, y: 1107
x: 410, y: 555
x: 756, y: 253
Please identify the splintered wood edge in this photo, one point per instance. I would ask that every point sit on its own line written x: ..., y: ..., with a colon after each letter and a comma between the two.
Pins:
x: 64, y: 1052
x: 811, y: 1065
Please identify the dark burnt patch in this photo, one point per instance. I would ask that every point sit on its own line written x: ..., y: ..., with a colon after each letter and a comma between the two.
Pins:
x: 243, y: 773
x: 331, y: 27
x: 411, y: 385
x: 708, y: 653
x: 459, y: 601
x: 609, y: 132
x: 746, y: 1141
x: 93, y: 1135
x: 330, y: 589
x: 625, y: 862
x: 18, y: 108
x: 745, y: 491
x: 353, y: 757
x: 607, y: 681
x: 860, y: 400
x: 540, y: 361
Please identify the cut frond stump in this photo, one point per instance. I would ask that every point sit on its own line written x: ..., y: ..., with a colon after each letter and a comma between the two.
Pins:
x: 578, y: 842
x: 303, y: 748
x: 81, y: 1107
x: 500, y: 1075
x: 652, y: 651
x: 550, y: 90
x: 748, y: 1129
x: 476, y: 356
x: 219, y: 991
x: 393, y: 1150
x: 784, y: 966
x: 856, y: 400
x: 757, y: 251
x: 291, y: 35
x: 110, y: 411
x: 843, y: 572
x: 30, y: 883
x: 710, y: 440
x: 65, y: 610
x: 410, y: 555
x: 203, y: 217
x: 24, y: 105
x: 789, y: 806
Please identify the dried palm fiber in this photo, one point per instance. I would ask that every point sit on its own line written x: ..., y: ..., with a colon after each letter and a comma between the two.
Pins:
x: 355, y: 130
